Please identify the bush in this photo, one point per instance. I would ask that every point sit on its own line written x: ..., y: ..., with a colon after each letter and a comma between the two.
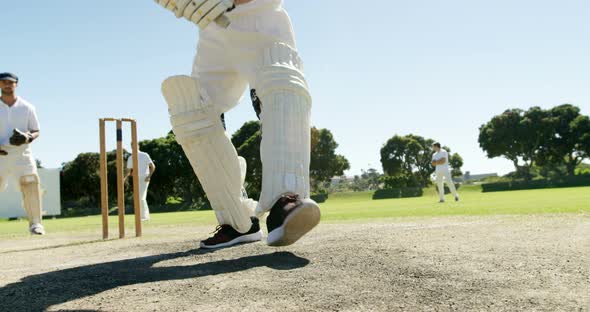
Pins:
x: 447, y: 190
x: 398, y: 193
x: 319, y: 198
x: 399, y: 181
x: 78, y: 208
x: 583, y: 169
x: 580, y: 180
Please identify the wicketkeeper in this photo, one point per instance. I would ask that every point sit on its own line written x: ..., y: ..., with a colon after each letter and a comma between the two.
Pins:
x: 19, y: 127
x: 246, y: 43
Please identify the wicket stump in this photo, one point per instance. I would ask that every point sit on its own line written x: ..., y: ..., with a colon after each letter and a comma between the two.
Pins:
x: 104, y: 191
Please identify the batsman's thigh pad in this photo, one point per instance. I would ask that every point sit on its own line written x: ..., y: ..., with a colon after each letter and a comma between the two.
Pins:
x: 31, y: 191
x: 286, y: 109
x: 198, y: 128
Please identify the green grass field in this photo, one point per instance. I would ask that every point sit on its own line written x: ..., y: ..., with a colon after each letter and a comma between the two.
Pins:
x: 358, y: 207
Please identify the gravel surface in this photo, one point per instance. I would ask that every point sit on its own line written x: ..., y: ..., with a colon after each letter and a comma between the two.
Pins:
x: 501, y: 263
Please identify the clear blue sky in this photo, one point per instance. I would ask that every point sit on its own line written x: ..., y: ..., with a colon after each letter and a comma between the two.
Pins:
x: 439, y: 69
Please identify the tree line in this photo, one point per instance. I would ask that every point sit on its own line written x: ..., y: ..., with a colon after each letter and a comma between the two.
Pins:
x: 553, y: 142
x: 174, y: 184
x: 539, y: 142
x: 547, y: 142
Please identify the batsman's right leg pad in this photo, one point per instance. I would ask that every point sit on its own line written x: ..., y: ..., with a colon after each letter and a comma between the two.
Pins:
x: 286, y: 112
x: 198, y: 128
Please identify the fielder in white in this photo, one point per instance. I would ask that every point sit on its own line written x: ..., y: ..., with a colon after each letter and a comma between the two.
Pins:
x: 146, y: 170
x: 19, y: 127
x: 246, y: 43
x: 440, y: 159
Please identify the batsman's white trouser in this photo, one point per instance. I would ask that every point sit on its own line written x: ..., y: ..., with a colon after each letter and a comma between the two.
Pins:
x: 445, y: 176
x: 258, y: 49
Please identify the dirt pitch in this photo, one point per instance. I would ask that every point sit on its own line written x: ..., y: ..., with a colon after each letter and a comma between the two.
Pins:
x: 503, y: 263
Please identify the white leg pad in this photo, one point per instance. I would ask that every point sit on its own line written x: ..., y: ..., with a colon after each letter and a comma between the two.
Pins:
x: 31, y: 191
x: 198, y: 128
x: 286, y: 109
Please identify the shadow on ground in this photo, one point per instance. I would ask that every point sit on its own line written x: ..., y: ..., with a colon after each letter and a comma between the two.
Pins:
x: 39, y: 292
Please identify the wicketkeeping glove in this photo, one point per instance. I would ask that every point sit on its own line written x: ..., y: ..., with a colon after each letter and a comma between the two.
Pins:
x: 19, y: 138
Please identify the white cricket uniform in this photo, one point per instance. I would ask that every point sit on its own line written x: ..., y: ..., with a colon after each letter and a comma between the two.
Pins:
x: 258, y: 43
x: 225, y: 63
x: 443, y: 173
x: 20, y: 161
x: 144, y: 171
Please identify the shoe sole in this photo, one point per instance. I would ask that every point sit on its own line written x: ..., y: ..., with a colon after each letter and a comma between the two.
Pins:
x: 302, y: 220
x: 250, y: 238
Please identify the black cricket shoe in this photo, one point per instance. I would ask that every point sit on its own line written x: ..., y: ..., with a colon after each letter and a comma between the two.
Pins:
x: 290, y: 218
x: 226, y: 236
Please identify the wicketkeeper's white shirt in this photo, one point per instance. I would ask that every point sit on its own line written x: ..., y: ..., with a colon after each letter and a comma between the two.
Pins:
x: 21, y: 116
x: 144, y: 163
x: 440, y: 155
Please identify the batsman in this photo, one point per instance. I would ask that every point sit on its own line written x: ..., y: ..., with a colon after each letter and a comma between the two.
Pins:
x: 246, y: 43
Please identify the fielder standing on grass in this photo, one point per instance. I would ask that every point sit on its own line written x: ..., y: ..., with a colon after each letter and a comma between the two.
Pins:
x: 246, y: 43
x: 440, y: 160
x: 146, y: 170
x: 19, y: 127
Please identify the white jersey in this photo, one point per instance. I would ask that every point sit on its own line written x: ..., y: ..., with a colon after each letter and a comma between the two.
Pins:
x: 21, y: 116
x: 144, y: 164
x: 440, y: 155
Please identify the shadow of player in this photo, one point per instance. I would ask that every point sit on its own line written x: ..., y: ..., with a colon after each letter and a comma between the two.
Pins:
x: 39, y: 292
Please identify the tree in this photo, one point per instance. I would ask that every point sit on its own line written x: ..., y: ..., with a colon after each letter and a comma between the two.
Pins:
x: 516, y: 135
x: 398, y: 155
x: 359, y: 184
x: 325, y: 163
x: 409, y: 157
x: 247, y: 142
x: 424, y: 160
x: 569, y: 141
x: 372, y: 177
x: 456, y: 162
x: 80, y: 178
